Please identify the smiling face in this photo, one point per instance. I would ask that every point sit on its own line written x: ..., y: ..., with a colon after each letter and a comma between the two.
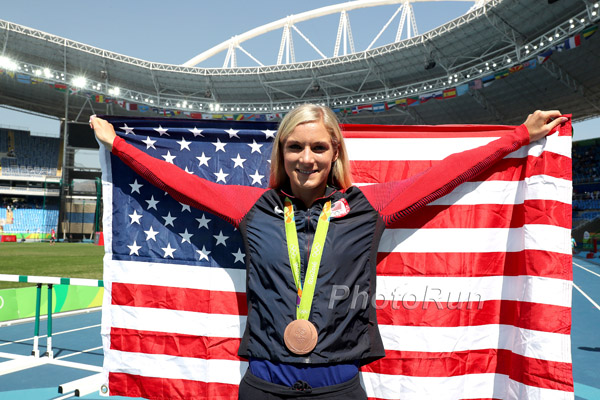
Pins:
x: 308, y: 154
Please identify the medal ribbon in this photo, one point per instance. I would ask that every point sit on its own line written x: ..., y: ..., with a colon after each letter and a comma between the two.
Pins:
x: 306, y: 293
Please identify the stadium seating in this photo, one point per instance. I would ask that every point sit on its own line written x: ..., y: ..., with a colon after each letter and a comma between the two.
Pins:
x: 586, y: 181
x: 34, y: 155
x: 31, y: 220
x: 586, y: 162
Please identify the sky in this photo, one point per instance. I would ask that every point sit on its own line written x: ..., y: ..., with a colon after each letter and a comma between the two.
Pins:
x: 175, y: 31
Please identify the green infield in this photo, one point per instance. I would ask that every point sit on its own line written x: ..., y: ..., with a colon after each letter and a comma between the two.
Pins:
x: 68, y: 260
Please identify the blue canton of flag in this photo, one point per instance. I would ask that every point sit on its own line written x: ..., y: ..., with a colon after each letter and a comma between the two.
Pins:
x: 150, y: 226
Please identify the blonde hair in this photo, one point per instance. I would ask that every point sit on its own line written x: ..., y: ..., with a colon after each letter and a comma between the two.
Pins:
x: 339, y: 176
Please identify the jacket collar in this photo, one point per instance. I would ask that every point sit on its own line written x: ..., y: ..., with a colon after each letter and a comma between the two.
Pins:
x: 286, y: 191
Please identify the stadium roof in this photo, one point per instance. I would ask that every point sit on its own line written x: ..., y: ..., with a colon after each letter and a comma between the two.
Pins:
x: 487, y: 41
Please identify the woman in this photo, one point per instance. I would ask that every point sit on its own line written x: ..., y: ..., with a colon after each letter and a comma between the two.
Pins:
x: 311, y: 239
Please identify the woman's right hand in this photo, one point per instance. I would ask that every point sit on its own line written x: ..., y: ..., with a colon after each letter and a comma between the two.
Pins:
x: 104, y: 131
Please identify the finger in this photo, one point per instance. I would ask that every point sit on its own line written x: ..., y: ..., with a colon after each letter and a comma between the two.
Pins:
x: 555, y: 123
x: 550, y: 114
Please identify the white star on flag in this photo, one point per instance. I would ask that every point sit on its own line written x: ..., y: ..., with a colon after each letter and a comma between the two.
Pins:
x: 169, y: 220
x: 239, y: 161
x: 269, y: 134
x: 152, y: 203
x: 184, y: 144
x: 168, y: 250
x: 256, y: 178
x: 221, y: 239
x: 151, y: 234
x: 203, y: 222
x: 185, y: 207
x: 135, y: 186
x: 203, y: 253
x: 232, y: 133
x: 196, y: 132
x: 149, y: 143
x: 135, y: 217
x: 127, y: 129
x: 239, y: 256
x: 188, y: 171
x: 255, y: 146
x: 134, y: 248
x: 186, y: 236
x: 220, y: 175
x: 203, y: 160
x: 161, y: 131
x: 168, y: 157
x: 219, y: 146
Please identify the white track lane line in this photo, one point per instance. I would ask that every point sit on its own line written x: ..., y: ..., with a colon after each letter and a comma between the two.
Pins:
x: 54, y: 315
x: 586, y: 296
x: 591, y: 272
x: 79, y: 352
x: 53, y: 334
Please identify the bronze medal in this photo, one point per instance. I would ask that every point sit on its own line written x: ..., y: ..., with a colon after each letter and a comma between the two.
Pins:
x: 300, y: 336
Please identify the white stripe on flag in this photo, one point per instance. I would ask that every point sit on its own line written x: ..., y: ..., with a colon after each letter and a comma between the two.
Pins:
x: 175, y: 321
x: 554, y: 144
x: 477, y: 240
x: 177, y: 275
x: 526, y: 342
x: 405, y: 291
x: 473, y: 386
x: 164, y: 366
x: 537, y: 187
x: 425, y: 149
x: 403, y: 149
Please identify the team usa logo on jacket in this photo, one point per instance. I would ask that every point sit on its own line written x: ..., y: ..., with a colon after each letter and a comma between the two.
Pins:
x: 340, y: 208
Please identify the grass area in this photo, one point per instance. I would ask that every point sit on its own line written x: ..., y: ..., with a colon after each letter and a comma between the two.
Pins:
x: 67, y: 260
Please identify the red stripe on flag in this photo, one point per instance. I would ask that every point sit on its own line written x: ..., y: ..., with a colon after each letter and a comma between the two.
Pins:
x: 122, y: 384
x: 526, y: 262
x: 183, y: 299
x: 434, y: 313
x: 174, y: 344
x: 508, y: 169
x: 545, y: 212
x: 529, y: 371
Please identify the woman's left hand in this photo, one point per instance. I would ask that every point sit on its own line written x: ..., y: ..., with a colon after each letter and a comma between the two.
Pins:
x: 541, y: 123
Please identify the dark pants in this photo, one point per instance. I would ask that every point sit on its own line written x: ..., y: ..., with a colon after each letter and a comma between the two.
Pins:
x: 253, y: 388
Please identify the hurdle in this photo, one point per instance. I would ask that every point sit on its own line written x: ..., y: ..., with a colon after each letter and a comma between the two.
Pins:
x: 50, y: 281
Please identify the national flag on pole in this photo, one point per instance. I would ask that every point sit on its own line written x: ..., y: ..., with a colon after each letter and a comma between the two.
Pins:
x: 473, y: 290
x: 573, y: 42
x: 587, y: 32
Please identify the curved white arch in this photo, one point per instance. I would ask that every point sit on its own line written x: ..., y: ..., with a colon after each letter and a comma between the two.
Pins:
x: 293, y: 19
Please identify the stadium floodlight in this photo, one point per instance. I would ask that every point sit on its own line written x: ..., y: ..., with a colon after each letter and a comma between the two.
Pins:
x: 8, y: 64
x: 114, y: 91
x: 38, y: 72
x: 79, y: 81
x: 47, y: 73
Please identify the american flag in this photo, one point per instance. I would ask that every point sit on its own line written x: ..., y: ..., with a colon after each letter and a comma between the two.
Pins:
x: 473, y: 291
